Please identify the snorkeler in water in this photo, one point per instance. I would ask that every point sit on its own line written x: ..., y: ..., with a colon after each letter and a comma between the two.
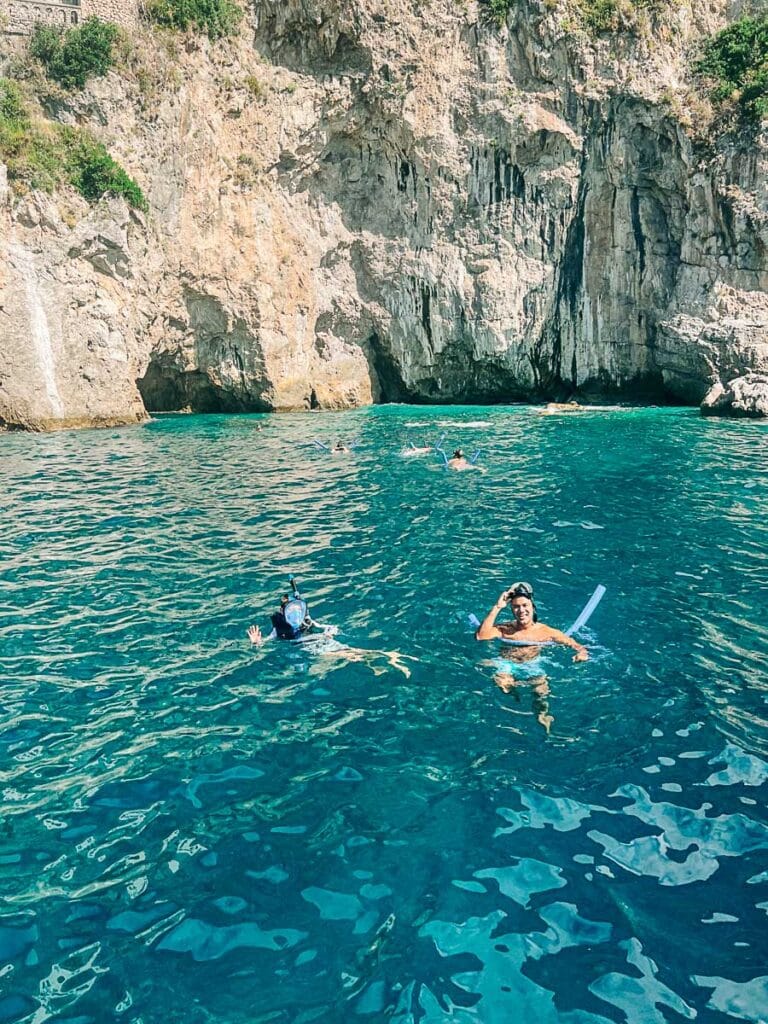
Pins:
x: 426, y: 448
x: 340, y: 448
x: 294, y: 622
x: 291, y: 622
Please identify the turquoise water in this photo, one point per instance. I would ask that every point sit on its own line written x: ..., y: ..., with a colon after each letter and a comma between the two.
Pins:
x: 194, y: 829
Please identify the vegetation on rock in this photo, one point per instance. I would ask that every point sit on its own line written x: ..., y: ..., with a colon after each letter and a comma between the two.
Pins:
x: 42, y: 155
x: 597, y: 16
x: 736, y: 60
x: 616, y: 15
x: 72, y: 57
x: 94, y: 173
x: 497, y: 10
x: 217, y: 18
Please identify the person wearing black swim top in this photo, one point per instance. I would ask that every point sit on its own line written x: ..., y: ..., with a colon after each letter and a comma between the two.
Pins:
x: 291, y: 622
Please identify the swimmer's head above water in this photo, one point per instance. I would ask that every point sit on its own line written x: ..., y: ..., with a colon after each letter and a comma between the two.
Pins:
x: 293, y: 619
x: 522, y: 605
x: 526, y: 630
x: 524, y: 610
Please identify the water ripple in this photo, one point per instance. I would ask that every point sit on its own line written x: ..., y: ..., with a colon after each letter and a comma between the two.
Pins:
x: 371, y: 828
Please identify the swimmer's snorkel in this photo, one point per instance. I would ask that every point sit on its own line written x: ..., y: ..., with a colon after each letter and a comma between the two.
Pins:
x: 293, y: 619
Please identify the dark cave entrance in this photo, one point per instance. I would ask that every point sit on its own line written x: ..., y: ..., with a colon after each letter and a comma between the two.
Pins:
x: 166, y: 388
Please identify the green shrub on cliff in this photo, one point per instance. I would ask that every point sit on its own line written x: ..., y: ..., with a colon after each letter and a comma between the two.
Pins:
x: 11, y: 103
x: 42, y: 155
x: 497, y: 10
x: 217, y: 18
x: 30, y: 154
x: 736, y: 60
x: 94, y: 173
x: 72, y: 57
x: 600, y: 16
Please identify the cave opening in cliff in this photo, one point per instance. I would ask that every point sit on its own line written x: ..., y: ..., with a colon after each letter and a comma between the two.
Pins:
x: 166, y: 388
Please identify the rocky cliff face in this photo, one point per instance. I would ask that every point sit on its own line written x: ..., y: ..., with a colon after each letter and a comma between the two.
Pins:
x: 364, y: 200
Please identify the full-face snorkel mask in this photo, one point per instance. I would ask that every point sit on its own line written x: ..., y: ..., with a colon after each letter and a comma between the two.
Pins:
x: 293, y: 619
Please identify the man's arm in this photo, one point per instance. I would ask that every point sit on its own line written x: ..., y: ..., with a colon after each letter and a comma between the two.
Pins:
x: 582, y: 654
x: 488, y: 630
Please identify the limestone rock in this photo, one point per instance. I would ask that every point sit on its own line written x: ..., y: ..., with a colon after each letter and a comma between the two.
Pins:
x: 371, y: 200
x: 743, y: 396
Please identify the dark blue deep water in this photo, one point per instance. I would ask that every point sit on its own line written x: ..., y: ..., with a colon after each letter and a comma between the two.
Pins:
x: 196, y: 830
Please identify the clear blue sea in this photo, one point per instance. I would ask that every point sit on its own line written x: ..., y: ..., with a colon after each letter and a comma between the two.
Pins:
x: 193, y: 829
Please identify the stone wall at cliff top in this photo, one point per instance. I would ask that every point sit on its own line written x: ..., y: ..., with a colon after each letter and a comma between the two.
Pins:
x: 364, y: 200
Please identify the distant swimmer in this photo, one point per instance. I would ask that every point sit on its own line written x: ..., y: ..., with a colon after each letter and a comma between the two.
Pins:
x: 412, y: 449
x: 340, y: 448
x: 426, y: 448
x: 460, y: 462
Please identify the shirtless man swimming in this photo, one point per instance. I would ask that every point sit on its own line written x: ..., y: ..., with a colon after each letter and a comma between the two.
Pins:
x: 460, y: 462
x: 521, y: 664
x: 526, y: 625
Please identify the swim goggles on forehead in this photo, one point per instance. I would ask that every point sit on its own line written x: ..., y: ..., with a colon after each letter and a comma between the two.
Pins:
x: 520, y: 590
